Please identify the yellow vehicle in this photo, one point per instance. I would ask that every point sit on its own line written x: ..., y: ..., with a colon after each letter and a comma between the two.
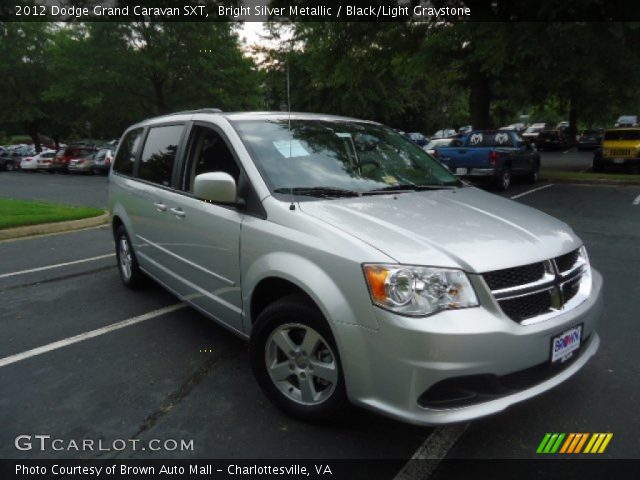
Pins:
x: 620, y: 146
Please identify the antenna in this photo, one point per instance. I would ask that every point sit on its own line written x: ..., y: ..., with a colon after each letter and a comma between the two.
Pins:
x: 292, y: 206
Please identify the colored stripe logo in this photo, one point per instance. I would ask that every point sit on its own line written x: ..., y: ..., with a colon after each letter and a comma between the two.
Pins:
x: 574, y: 443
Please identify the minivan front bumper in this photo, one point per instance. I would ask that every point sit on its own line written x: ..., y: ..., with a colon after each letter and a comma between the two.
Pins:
x: 391, y: 369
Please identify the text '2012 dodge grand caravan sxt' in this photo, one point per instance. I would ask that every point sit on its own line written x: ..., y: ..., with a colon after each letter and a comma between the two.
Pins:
x: 355, y: 264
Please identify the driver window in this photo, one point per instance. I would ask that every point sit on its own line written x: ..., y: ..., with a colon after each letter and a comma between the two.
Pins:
x: 208, y: 153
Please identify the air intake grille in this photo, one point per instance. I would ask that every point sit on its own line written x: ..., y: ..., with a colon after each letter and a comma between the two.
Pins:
x: 512, y: 277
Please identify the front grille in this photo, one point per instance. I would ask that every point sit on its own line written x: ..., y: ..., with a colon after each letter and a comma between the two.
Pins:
x: 527, y: 306
x: 512, y: 277
x: 570, y: 289
x: 619, y: 152
x: 532, y: 290
x: 567, y: 261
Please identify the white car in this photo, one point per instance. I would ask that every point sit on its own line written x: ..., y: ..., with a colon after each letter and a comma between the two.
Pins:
x: 34, y: 162
x: 430, y: 147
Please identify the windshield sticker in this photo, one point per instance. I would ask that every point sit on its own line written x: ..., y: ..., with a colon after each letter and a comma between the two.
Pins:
x: 390, y: 179
x: 291, y: 148
x: 502, y: 138
x: 343, y: 135
x: 475, y: 139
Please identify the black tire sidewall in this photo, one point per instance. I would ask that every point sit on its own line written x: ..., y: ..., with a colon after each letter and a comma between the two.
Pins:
x: 501, y: 186
x: 294, y: 309
x: 135, y: 281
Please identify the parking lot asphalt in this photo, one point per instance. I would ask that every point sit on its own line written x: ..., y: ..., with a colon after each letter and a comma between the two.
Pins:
x: 178, y: 375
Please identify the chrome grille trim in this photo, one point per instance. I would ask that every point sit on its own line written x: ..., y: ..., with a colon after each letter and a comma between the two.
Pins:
x: 567, y: 289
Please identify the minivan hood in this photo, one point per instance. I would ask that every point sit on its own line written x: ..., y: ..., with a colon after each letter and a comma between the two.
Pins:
x: 464, y: 227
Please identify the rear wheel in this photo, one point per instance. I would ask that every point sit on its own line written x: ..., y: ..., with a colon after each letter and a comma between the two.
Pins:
x: 295, y: 360
x: 504, y: 180
x: 532, y: 177
x: 9, y: 166
x: 128, y: 268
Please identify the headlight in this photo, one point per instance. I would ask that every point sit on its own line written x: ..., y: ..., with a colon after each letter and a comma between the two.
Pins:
x: 418, y: 291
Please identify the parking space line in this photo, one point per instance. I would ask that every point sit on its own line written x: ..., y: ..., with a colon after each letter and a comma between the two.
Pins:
x: 57, y: 265
x: 431, y: 452
x: 636, y: 201
x: 531, y: 191
x: 87, y: 335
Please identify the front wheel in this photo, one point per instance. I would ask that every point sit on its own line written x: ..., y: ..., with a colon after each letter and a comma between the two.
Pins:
x: 9, y: 166
x: 295, y: 360
x: 128, y: 268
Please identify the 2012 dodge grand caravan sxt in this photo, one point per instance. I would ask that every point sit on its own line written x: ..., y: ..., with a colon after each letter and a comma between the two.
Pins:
x: 355, y: 264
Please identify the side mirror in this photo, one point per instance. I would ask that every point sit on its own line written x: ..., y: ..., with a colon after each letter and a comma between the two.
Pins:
x: 218, y: 187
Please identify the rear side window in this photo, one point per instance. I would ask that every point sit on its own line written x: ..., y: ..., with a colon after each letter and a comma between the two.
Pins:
x: 127, y: 152
x: 159, y: 154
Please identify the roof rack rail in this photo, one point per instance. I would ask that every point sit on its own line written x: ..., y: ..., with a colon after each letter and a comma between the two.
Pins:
x: 199, y: 110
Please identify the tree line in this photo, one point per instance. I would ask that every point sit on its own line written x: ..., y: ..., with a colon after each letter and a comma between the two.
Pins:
x: 84, y: 80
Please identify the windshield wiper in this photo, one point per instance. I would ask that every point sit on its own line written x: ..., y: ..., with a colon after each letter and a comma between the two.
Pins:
x: 323, y: 192
x: 407, y: 187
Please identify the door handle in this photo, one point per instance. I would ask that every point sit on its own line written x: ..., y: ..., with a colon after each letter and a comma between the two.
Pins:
x: 161, y: 207
x: 178, y: 212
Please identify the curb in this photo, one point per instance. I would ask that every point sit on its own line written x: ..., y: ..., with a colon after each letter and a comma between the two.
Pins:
x: 595, y: 181
x: 55, y: 227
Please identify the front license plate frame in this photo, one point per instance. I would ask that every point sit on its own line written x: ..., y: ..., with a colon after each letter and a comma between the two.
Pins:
x: 565, y: 344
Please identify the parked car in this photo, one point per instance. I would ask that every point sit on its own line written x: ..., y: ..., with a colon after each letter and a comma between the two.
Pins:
x: 465, y: 129
x: 10, y: 158
x: 357, y: 267
x: 30, y: 163
x: 492, y: 156
x: 552, y: 140
x: 445, y: 133
x: 418, y: 138
x: 590, y: 139
x: 621, y: 147
x: 103, y: 160
x: 516, y: 127
x: 44, y: 160
x: 627, y: 121
x: 532, y: 133
x: 433, y: 145
x: 84, y: 164
x: 65, y: 155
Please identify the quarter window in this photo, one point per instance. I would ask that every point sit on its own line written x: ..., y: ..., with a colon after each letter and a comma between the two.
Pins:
x: 127, y: 152
x: 159, y: 154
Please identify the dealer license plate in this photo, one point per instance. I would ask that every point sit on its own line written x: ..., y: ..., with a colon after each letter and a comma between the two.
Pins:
x: 563, y: 345
x: 461, y: 171
x: 618, y: 160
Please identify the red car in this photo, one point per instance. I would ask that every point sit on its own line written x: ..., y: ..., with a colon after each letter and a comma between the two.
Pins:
x: 66, y: 154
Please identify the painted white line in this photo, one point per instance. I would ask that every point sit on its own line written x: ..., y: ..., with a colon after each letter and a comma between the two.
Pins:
x: 566, y: 151
x: 431, y: 452
x: 57, y: 265
x: 531, y: 191
x: 87, y: 335
x: 637, y: 201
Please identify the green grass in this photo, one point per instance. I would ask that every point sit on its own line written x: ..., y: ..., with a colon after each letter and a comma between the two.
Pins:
x: 554, y: 175
x: 17, y: 213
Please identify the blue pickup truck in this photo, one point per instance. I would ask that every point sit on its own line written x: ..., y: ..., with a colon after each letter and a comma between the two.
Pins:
x: 494, y: 156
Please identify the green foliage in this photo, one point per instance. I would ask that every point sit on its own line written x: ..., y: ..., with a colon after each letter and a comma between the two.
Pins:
x: 95, y: 79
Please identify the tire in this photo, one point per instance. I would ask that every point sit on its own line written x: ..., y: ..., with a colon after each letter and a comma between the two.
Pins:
x: 293, y: 324
x: 597, y: 167
x: 503, y: 182
x: 128, y: 268
x: 532, y: 177
x: 9, y: 166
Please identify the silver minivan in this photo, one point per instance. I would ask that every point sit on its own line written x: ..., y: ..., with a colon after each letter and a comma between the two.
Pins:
x: 358, y: 268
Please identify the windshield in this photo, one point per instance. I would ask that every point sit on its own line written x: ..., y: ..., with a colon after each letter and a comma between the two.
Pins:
x: 338, y: 155
x: 622, y: 135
